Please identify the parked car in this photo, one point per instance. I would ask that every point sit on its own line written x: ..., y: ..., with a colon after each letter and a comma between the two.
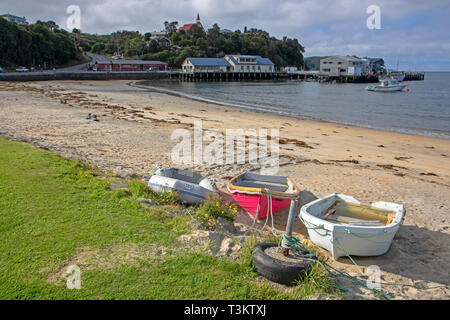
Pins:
x: 22, y: 69
x: 1, y: 70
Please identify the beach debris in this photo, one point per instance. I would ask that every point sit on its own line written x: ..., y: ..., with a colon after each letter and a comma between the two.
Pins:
x: 390, y: 166
x: 428, y: 174
x: 348, y: 161
x: 94, y: 117
x: 88, y: 116
x: 402, y: 158
x: 295, y: 142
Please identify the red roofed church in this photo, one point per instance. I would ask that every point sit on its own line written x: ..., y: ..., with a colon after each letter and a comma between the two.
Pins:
x: 188, y: 27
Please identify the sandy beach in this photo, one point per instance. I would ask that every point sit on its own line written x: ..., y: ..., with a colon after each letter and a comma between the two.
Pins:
x: 134, y: 135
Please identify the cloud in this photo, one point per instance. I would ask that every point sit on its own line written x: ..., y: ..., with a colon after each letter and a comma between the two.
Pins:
x: 410, y: 28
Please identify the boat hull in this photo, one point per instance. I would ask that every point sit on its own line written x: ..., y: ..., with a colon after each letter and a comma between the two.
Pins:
x: 257, y: 205
x: 385, y: 89
x: 262, y: 195
x: 188, y: 189
x: 344, y: 239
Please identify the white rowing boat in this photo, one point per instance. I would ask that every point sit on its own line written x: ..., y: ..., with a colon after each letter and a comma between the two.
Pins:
x: 344, y: 226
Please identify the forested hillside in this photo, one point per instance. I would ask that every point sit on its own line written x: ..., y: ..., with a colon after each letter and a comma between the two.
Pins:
x: 42, y: 44
x: 197, y: 43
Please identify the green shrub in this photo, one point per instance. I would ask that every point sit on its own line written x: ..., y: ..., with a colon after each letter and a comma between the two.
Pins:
x: 212, y: 209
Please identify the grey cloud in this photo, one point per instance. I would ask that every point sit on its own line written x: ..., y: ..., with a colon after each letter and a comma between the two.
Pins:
x: 323, y: 27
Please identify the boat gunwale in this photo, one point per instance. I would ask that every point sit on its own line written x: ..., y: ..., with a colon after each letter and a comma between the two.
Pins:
x: 248, y: 190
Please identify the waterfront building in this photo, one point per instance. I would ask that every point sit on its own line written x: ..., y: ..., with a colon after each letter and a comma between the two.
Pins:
x: 246, y: 64
x: 336, y: 66
x: 15, y: 19
x: 230, y: 63
x: 130, y: 65
x: 376, y: 65
x: 205, y: 65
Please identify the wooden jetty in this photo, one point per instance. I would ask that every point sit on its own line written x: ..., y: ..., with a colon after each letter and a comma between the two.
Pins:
x: 281, y: 76
x: 229, y: 76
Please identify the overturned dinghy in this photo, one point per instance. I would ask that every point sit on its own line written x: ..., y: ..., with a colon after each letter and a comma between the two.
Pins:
x: 190, y: 187
x: 344, y: 226
x: 262, y: 195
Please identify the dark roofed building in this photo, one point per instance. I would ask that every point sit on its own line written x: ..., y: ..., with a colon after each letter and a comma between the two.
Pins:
x: 130, y: 65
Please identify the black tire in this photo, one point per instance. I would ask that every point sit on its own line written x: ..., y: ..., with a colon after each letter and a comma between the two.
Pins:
x: 276, y: 270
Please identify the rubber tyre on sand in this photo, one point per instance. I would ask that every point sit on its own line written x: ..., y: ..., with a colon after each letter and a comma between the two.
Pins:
x: 277, y: 270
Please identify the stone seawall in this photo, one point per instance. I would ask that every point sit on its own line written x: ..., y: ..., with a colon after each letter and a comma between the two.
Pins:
x: 49, y: 76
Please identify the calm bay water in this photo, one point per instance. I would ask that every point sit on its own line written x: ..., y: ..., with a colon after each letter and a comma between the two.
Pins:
x: 424, y: 110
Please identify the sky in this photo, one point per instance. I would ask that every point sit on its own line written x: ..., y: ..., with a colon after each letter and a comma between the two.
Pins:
x: 413, y: 34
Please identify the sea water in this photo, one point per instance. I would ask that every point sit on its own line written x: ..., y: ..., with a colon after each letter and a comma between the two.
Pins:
x: 424, y: 110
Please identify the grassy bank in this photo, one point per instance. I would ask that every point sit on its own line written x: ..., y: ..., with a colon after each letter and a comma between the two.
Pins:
x: 56, y: 212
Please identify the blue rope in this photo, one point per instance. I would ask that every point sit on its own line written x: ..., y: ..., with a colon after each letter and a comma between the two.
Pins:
x: 301, y: 251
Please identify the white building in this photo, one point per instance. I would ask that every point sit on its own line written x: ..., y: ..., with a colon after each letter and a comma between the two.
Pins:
x: 290, y: 69
x: 245, y: 64
x: 343, y: 66
x: 230, y: 63
x: 19, y: 20
x: 196, y: 65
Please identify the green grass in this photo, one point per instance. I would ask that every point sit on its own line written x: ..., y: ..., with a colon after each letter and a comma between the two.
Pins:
x: 53, y: 210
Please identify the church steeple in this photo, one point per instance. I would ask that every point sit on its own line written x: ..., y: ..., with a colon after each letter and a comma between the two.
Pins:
x: 198, y: 17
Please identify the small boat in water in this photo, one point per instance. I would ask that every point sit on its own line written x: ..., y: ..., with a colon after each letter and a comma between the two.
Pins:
x: 190, y: 187
x: 344, y: 226
x: 262, y: 195
x: 387, y: 85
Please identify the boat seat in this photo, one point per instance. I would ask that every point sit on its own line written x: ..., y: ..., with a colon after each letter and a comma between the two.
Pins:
x: 262, y: 185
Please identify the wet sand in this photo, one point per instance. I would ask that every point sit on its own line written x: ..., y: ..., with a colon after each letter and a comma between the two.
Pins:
x: 134, y: 135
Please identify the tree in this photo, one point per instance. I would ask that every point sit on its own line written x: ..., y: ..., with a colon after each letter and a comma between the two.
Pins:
x: 171, y: 27
x: 136, y: 46
x: 38, y: 44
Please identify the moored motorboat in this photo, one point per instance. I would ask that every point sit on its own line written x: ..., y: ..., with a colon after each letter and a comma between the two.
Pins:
x: 386, y: 85
x: 344, y: 226
x: 190, y: 187
x: 262, y: 195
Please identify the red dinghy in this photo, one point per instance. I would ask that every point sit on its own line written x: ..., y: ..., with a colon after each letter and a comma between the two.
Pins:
x: 262, y: 195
